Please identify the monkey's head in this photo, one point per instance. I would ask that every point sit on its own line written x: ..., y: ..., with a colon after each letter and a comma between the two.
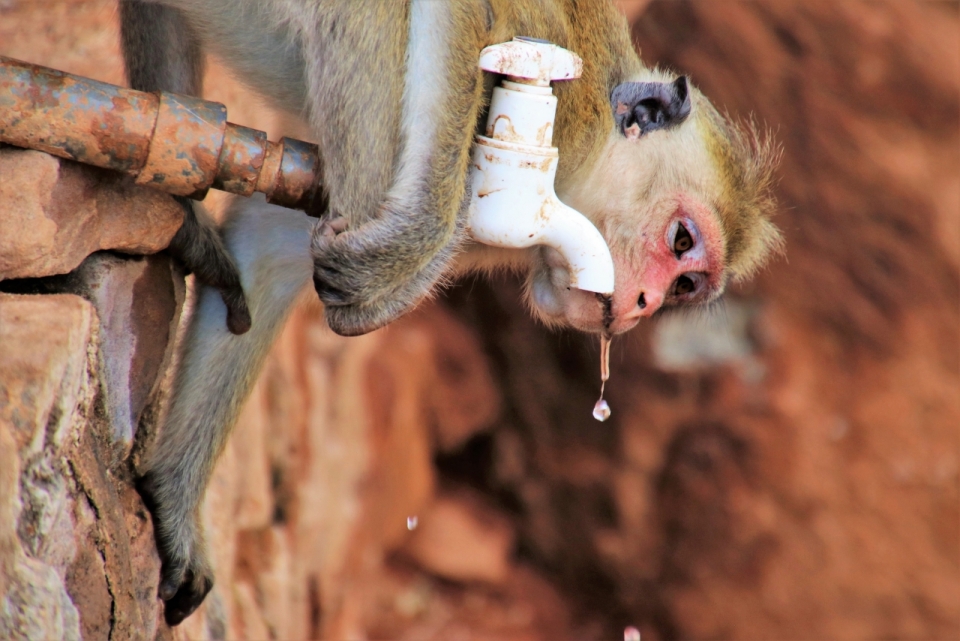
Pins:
x: 680, y: 193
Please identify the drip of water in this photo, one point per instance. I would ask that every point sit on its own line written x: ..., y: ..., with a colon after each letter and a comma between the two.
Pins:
x: 630, y: 633
x: 412, y: 522
x: 601, y: 410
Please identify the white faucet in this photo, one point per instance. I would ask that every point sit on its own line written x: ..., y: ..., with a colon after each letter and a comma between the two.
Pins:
x: 514, y: 165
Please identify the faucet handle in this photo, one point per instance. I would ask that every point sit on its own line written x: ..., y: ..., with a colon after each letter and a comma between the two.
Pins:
x: 532, y: 61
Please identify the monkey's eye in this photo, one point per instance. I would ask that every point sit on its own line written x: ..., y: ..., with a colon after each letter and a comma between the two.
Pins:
x: 683, y: 241
x: 684, y: 285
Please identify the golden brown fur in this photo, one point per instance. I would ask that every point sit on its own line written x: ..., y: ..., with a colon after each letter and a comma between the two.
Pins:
x: 746, y: 160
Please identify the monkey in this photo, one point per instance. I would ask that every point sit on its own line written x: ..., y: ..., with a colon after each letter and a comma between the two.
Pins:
x: 392, y: 93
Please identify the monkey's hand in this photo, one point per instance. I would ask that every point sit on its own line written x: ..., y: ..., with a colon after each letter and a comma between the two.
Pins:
x: 185, y: 576
x: 370, y: 276
x: 199, y: 247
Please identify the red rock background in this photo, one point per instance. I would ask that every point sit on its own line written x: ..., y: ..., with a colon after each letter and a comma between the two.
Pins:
x: 784, y: 467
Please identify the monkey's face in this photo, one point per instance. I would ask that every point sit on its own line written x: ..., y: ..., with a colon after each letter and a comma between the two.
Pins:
x: 651, y: 194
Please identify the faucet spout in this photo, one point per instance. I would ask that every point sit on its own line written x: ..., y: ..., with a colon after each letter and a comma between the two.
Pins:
x: 513, y: 202
x: 583, y: 247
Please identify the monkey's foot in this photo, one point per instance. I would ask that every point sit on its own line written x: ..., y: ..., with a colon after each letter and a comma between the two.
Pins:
x: 185, y: 575
x: 183, y: 589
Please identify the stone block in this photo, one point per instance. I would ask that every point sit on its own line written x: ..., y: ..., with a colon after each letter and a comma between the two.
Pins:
x: 138, y: 302
x: 56, y: 213
x: 44, y: 393
x: 44, y: 362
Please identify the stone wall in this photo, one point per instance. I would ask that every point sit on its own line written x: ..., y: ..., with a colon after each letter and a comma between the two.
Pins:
x: 311, y: 500
x: 85, y: 336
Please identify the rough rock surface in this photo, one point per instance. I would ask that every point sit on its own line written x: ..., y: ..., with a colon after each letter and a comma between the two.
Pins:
x: 137, y: 300
x: 45, y: 396
x: 56, y: 213
x: 78, y: 554
x: 791, y: 471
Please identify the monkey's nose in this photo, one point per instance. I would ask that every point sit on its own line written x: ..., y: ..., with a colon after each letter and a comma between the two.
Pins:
x: 647, y: 303
x: 626, y: 317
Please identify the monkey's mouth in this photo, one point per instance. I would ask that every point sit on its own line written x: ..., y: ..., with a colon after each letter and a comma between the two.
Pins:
x: 563, y: 306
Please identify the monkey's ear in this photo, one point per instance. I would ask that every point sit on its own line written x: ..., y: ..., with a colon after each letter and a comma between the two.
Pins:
x: 642, y: 107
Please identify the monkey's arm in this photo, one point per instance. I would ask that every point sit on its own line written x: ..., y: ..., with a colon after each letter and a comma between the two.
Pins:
x: 162, y: 53
x: 373, y: 272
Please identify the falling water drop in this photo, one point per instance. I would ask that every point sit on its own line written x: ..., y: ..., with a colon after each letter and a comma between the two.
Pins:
x: 630, y: 633
x: 412, y: 523
x: 601, y: 410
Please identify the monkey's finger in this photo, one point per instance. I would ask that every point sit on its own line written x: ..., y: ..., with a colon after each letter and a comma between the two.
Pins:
x: 168, y: 589
x: 238, y: 322
x: 348, y: 322
x: 173, y: 575
x: 355, y: 320
x: 187, y: 598
x: 238, y: 314
x: 328, y: 294
x: 330, y: 227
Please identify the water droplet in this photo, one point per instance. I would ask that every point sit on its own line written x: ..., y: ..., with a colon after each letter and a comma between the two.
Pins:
x: 630, y: 633
x: 601, y: 411
x: 412, y: 523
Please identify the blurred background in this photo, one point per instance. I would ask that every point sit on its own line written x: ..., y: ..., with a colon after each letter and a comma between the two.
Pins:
x: 785, y: 467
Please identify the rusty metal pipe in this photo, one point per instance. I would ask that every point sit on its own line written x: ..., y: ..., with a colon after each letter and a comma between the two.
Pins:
x: 179, y: 144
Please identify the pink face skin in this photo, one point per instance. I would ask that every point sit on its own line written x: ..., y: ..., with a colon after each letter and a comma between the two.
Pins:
x: 664, y: 275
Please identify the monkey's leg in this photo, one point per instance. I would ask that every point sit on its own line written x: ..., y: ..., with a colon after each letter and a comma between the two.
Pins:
x: 215, y: 374
x: 372, y: 273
